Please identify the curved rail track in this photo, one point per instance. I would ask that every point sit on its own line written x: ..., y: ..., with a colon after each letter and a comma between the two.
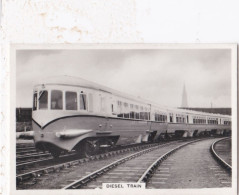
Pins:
x: 192, y: 166
x: 218, y: 157
x: 130, y: 168
x: 142, y: 165
x: 41, y: 167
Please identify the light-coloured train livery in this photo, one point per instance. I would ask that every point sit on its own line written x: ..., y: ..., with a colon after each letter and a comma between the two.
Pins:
x: 74, y: 114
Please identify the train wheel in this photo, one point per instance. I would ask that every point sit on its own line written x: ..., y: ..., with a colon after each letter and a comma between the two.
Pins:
x: 91, y: 147
x: 55, y: 153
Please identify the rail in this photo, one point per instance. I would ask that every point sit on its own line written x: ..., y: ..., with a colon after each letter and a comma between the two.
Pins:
x: 149, y: 172
x: 52, y: 168
x: 218, y: 158
x: 99, y: 172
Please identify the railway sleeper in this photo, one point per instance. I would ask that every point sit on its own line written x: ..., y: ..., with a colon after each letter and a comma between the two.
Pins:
x: 100, y: 173
x: 93, y: 177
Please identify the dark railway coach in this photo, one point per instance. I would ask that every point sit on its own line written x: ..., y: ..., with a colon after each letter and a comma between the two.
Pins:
x: 23, y: 114
x: 74, y: 114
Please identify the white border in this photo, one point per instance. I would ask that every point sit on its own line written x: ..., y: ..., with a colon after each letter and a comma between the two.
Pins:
x: 12, y: 139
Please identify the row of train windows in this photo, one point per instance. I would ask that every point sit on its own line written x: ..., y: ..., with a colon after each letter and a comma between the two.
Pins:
x: 227, y: 122
x: 132, y: 106
x: 135, y: 115
x: 71, y: 100
x: 212, y: 122
x: 143, y: 116
x: 180, y: 120
x: 71, y: 103
x: 160, y: 118
x: 199, y: 121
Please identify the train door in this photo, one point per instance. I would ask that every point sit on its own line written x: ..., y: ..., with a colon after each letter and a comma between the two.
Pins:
x: 91, y: 103
x: 103, y: 108
x: 113, y: 106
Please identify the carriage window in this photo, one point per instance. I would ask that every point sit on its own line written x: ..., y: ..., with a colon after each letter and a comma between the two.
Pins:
x: 71, y: 100
x: 141, y: 115
x: 132, y: 114
x: 43, y: 99
x: 34, y: 101
x: 83, y: 104
x: 56, y: 100
x: 137, y: 115
x: 131, y: 106
x: 171, y: 119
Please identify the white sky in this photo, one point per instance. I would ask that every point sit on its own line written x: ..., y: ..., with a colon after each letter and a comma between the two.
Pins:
x: 156, y: 75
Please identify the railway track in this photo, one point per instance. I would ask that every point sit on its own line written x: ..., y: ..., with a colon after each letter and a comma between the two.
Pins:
x: 29, y: 157
x: 27, y: 151
x: 221, y: 151
x: 191, y: 167
x: 27, y: 171
x: 31, y: 166
x: 24, y: 145
x: 59, y: 173
x: 137, y: 167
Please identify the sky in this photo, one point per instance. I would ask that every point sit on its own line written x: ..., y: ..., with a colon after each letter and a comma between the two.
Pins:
x: 157, y: 75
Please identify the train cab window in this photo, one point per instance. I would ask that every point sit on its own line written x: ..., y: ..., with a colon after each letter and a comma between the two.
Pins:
x: 71, y: 100
x: 56, y: 100
x: 43, y: 100
x: 83, y: 103
x: 34, y: 107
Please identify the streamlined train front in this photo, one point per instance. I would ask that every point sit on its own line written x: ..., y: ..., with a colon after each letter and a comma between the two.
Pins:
x: 60, y: 118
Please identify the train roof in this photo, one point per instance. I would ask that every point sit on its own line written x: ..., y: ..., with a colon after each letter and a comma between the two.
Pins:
x: 66, y: 80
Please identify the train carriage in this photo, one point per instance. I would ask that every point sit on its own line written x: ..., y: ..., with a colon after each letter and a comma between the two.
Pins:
x: 74, y: 114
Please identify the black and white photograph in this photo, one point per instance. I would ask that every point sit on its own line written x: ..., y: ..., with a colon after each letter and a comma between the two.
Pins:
x: 145, y: 117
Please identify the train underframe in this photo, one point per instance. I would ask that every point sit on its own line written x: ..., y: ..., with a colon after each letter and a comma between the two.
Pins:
x: 95, y: 145
x: 131, y: 132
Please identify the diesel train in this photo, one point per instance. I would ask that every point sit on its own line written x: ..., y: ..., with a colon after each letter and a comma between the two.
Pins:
x: 74, y: 114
